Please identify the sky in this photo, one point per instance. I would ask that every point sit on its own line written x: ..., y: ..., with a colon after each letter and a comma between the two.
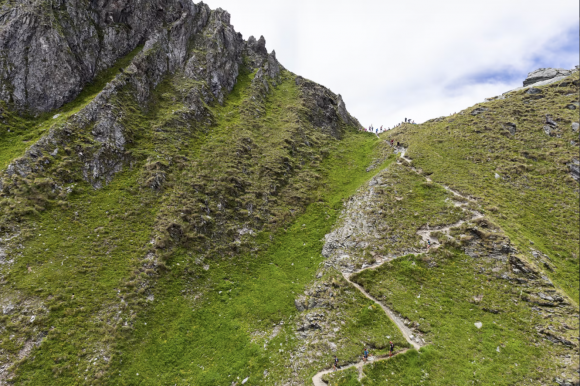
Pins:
x: 417, y: 59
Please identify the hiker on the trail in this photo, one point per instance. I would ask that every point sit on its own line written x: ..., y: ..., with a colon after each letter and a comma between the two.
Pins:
x: 398, y: 144
x: 392, y: 140
x: 428, y: 243
x: 391, y: 349
x: 365, y: 355
x: 335, y: 367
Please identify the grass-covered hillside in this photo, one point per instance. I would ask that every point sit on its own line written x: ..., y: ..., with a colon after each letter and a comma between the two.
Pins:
x: 496, y: 296
x: 199, y: 215
x: 155, y: 234
x: 516, y: 156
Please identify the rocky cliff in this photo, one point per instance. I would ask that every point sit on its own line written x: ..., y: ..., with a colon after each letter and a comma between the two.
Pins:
x: 52, y: 49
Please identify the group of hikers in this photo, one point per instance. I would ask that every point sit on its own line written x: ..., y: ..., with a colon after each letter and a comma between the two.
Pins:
x: 392, y: 143
x: 374, y: 130
x: 365, y: 355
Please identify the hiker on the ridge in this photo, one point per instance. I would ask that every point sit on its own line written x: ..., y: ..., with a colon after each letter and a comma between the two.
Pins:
x: 391, y: 349
x: 335, y: 366
x: 428, y: 243
x: 365, y: 355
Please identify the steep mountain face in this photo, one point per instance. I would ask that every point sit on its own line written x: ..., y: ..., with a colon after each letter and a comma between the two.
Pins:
x: 52, y: 49
x: 186, y: 142
x: 178, y: 208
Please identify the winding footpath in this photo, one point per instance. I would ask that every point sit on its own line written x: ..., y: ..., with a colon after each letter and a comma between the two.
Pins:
x: 426, y: 234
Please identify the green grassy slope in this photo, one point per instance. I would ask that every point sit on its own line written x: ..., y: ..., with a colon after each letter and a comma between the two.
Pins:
x: 115, y: 293
x: 496, y: 270
x: 186, y: 268
x: 535, y: 200
x: 446, y: 291
x: 200, y: 330
x: 78, y: 257
x: 503, y: 352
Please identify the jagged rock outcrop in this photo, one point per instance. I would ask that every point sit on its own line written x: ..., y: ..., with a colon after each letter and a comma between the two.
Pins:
x: 325, y: 109
x: 215, y: 62
x: 543, y: 74
x: 52, y: 48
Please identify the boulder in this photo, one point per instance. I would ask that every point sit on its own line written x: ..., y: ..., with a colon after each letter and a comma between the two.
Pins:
x: 533, y: 91
x: 511, y: 127
x: 575, y: 126
x: 575, y: 169
x: 543, y: 74
x: 301, y: 303
x: 478, y: 110
x: 550, y: 121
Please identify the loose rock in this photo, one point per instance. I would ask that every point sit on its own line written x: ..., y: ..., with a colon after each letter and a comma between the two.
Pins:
x: 575, y: 169
x: 478, y: 110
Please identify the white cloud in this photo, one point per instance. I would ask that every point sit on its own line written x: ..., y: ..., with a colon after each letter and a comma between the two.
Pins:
x: 415, y: 58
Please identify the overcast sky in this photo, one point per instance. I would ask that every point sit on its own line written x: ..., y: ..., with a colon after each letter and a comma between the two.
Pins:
x: 418, y: 59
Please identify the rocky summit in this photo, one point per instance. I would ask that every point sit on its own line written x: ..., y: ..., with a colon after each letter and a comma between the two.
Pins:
x: 177, y: 208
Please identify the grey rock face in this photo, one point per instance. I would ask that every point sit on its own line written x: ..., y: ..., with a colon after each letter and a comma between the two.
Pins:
x: 218, y: 54
x: 52, y: 49
x: 575, y: 126
x: 325, y: 109
x: 543, y: 74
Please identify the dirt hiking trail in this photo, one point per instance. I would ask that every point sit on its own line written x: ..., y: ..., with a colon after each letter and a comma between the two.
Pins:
x: 426, y: 234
